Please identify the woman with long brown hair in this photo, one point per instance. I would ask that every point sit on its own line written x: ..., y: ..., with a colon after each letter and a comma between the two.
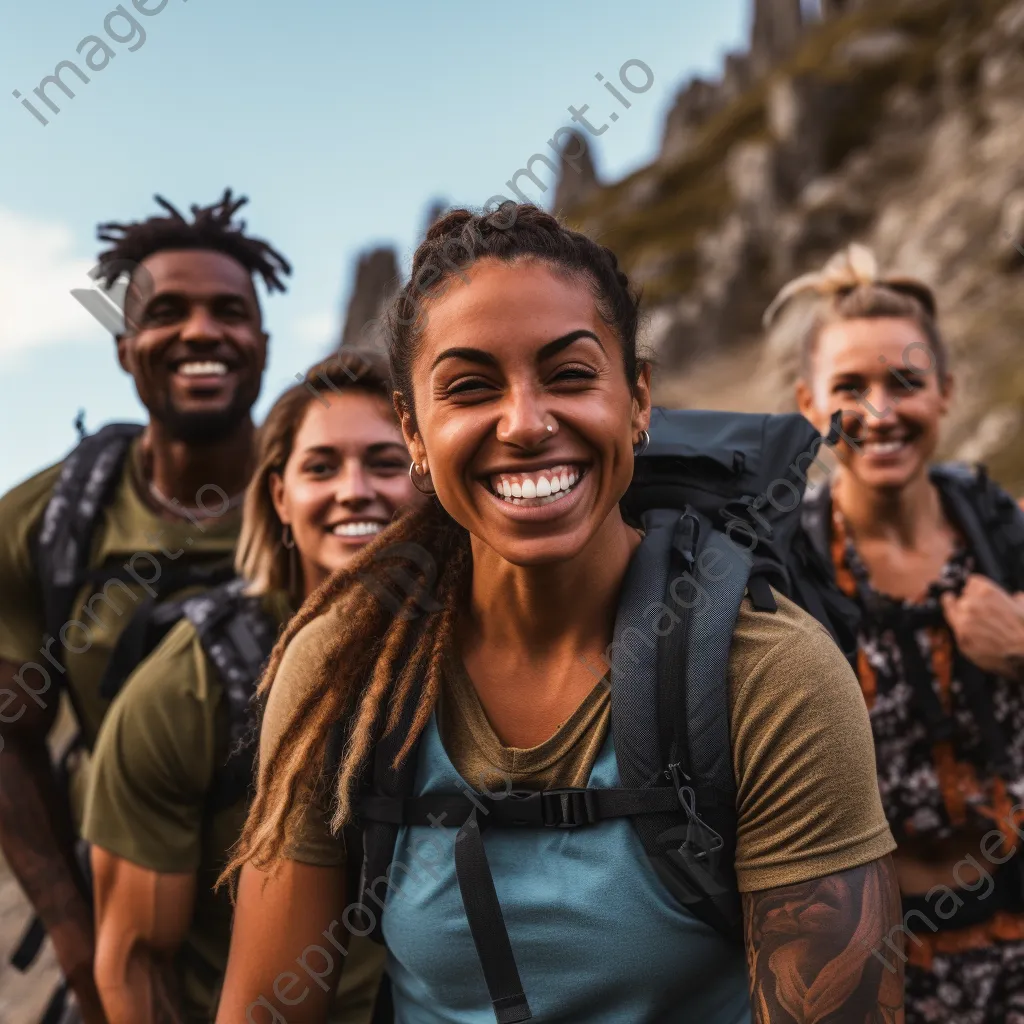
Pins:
x: 168, y: 797
x: 524, y: 402
x: 934, y: 556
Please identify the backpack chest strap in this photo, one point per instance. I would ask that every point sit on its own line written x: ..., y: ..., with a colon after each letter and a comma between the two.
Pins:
x: 549, y: 808
x: 471, y: 813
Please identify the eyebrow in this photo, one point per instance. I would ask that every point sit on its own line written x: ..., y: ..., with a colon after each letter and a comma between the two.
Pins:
x: 178, y: 293
x: 372, y: 449
x: 552, y: 348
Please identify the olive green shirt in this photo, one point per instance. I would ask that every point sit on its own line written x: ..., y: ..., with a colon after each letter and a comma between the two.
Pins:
x: 129, y: 531
x: 147, y: 802
x: 803, y: 756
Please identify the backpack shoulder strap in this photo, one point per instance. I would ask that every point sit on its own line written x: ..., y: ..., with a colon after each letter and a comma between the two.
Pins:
x: 991, y: 520
x: 62, y: 543
x: 816, y: 519
x: 369, y: 835
x: 637, y: 732
x: 237, y: 635
x: 670, y: 705
x: 694, y: 685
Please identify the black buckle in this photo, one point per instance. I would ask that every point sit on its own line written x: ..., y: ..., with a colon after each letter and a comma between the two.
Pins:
x: 550, y: 808
x: 568, y: 808
x: 700, y: 840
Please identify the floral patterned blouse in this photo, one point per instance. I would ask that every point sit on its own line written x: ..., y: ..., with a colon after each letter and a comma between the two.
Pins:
x: 949, y: 740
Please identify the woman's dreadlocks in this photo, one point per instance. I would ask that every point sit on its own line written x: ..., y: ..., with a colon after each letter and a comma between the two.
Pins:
x: 211, y: 228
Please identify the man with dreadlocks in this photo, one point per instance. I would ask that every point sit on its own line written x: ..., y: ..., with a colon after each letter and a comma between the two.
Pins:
x: 132, y: 516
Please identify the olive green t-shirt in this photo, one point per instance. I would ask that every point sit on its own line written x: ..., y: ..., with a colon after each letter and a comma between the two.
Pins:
x: 129, y: 531
x: 147, y: 802
x: 802, y: 750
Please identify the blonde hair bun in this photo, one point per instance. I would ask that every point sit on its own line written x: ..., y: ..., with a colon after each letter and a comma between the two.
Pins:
x: 854, y: 267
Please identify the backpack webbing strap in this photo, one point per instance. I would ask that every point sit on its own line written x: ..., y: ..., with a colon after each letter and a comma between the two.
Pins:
x: 992, y: 521
x: 993, y: 526
x: 237, y: 635
x: 28, y: 946
x: 384, y: 1004
x: 487, y: 925
x: 381, y: 778
x: 815, y: 518
x: 636, y: 720
x: 963, y: 490
x: 86, y: 482
x: 61, y: 545
x: 558, y: 808
x: 699, y: 712
x: 54, y: 1012
x: 955, y: 482
x: 532, y: 808
x: 154, y: 616
x: 761, y: 596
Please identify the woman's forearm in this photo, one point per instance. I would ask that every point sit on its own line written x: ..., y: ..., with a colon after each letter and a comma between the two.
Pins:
x: 138, y: 988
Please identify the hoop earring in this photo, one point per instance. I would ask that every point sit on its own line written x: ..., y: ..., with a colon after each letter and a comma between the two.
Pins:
x: 287, y: 540
x: 413, y: 473
x: 642, y: 443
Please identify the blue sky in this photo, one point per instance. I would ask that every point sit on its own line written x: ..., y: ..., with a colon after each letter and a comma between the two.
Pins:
x: 341, y: 122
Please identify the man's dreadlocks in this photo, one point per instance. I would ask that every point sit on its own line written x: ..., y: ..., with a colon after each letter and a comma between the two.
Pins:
x: 210, y: 228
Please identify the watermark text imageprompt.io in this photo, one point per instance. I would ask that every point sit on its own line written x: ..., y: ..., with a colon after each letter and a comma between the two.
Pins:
x: 95, y: 52
x: 635, y: 76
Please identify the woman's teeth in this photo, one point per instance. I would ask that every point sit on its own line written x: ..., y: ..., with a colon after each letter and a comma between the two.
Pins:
x: 210, y: 368
x: 356, y: 529
x: 883, y: 447
x: 540, y: 488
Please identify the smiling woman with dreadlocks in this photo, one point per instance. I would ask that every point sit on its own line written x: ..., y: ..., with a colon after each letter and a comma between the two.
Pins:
x: 524, y: 404
x: 134, y: 513
x: 934, y: 556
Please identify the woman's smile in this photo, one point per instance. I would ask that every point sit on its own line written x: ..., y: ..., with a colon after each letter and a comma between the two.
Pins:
x: 526, y: 411
x: 539, y: 495
x: 356, y: 531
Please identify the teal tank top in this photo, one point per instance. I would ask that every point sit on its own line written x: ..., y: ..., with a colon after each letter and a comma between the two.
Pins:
x: 596, y: 936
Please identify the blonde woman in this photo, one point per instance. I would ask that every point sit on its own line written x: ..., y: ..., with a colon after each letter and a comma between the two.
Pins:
x: 934, y: 555
x: 168, y: 794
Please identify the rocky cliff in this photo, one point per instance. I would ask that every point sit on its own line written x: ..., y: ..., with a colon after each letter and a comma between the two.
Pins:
x: 896, y: 124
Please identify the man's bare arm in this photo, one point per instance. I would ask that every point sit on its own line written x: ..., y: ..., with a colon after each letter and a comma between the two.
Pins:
x: 142, y: 919
x: 37, y: 837
x: 823, y: 950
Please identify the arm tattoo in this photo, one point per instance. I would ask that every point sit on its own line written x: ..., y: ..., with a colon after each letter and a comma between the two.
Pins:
x: 815, y: 950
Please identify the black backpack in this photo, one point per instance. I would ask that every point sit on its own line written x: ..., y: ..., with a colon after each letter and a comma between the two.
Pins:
x: 62, y: 546
x: 237, y: 635
x: 992, y: 525
x: 991, y: 521
x: 718, y: 495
